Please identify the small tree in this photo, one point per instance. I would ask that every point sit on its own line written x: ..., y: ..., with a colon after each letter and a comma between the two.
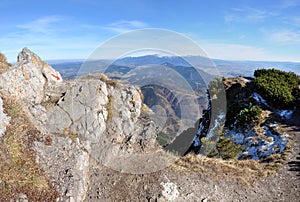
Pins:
x: 249, y: 114
x: 225, y: 148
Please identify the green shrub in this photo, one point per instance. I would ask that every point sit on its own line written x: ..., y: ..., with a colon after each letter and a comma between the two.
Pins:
x: 249, y: 114
x: 277, y: 87
x: 226, y: 149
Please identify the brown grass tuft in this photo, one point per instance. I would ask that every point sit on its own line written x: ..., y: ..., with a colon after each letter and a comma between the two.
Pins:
x: 246, y: 171
x: 19, y: 172
x: 3, y: 58
x: 4, y: 65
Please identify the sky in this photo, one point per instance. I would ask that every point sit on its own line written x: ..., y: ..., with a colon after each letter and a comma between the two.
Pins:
x: 264, y: 30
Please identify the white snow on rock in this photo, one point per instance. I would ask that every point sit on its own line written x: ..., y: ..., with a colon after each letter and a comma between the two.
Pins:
x: 258, y: 98
x: 218, y: 122
x: 170, y: 192
x: 259, y: 148
x: 285, y: 114
x: 196, y: 141
x: 273, y: 125
x: 238, y: 138
x: 4, y: 119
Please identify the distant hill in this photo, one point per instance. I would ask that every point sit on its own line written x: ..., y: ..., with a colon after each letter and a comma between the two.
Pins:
x: 246, y: 68
x: 225, y: 68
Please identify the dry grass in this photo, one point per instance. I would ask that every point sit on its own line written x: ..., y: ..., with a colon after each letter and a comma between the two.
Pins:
x: 110, y: 109
x: 66, y: 134
x: 4, y: 65
x: 3, y: 58
x: 246, y: 171
x: 19, y: 172
x: 102, y: 77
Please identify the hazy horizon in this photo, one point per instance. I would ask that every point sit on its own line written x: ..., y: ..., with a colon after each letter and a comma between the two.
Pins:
x: 248, y: 30
x: 82, y: 60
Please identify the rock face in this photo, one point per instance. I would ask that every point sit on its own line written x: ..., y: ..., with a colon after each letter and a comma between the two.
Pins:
x: 28, y: 77
x: 93, y: 127
x: 4, y: 119
x: 237, y: 89
x: 106, y: 117
x: 67, y: 165
x: 88, y: 119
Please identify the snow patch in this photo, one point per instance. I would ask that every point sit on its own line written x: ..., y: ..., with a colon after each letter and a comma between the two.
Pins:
x: 258, y: 98
x: 273, y: 125
x: 238, y: 138
x: 257, y: 147
x: 285, y: 114
x: 219, y: 121
x: 196, y: 141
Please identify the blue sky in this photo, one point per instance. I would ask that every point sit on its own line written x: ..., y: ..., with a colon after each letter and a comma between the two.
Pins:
x: 224, y: 29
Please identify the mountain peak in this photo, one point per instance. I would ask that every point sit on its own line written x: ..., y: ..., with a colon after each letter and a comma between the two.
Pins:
x: 25, y: 55
x: 28, y: 77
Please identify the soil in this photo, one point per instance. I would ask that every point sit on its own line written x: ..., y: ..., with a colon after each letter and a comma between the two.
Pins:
x: 195, y: 186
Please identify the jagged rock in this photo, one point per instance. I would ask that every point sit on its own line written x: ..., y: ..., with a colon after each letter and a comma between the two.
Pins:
x: 4, y: 119
x: 28, y: 77
x: 108, y: 120
x: 91, y: 117
x: 237, y: 89
x: 170, y: 191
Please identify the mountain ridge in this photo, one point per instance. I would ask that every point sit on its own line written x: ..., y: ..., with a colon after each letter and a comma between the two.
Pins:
x: 224, y: 68
x: 74, y: 119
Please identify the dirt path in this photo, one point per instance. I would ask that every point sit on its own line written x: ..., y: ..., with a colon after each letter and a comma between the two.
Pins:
x: 284, y: 186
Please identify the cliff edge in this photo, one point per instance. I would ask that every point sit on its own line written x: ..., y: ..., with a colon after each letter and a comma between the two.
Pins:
x: 92, y: 139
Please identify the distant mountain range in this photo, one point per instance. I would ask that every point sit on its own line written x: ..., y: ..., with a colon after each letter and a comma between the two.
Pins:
x: 170, y: 82
x: 225, y: 68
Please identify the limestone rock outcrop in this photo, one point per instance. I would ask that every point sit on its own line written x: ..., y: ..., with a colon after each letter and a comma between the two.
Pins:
x: 237, y: 89
x: 28, y: 78
x: 92, y: 118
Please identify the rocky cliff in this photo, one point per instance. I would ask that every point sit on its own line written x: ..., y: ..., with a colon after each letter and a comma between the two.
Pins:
x: 91, y: 117
x: 92, y: 139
